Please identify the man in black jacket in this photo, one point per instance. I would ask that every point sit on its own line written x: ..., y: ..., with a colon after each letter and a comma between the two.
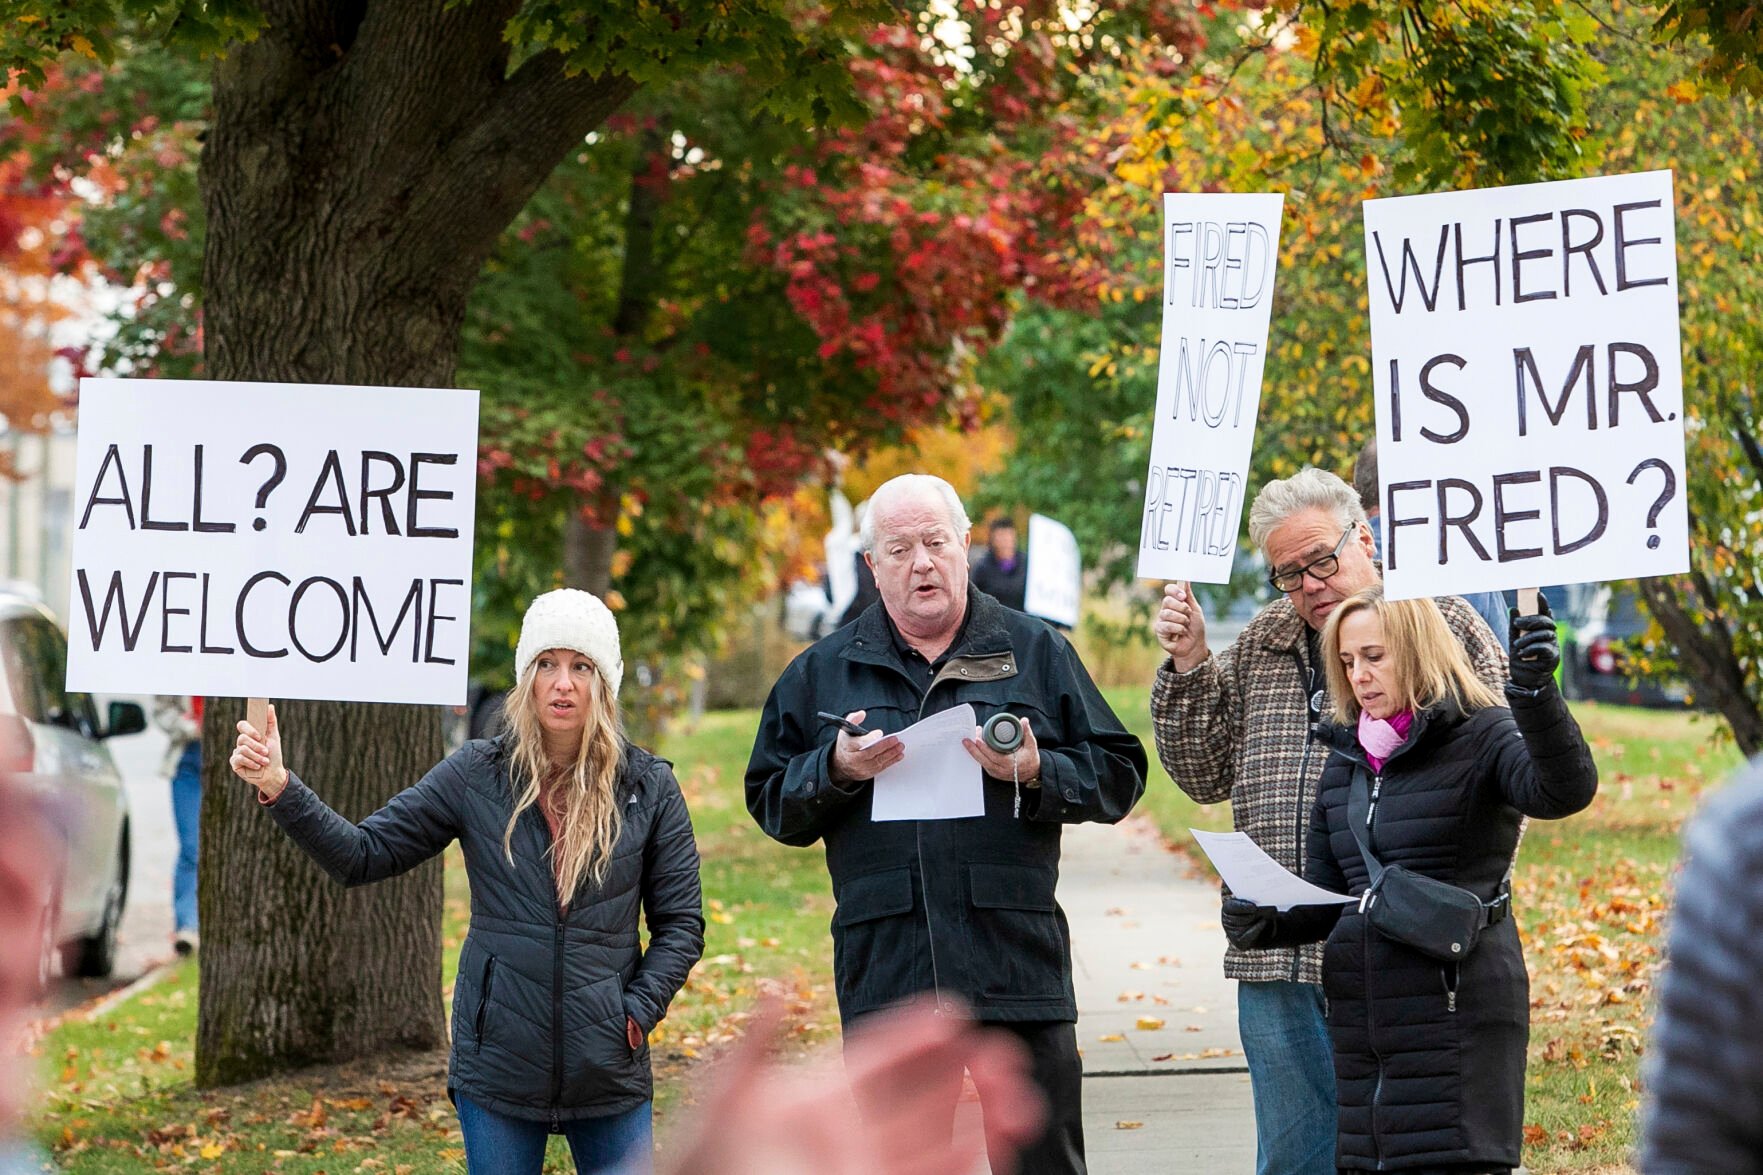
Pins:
x: 962, y: 908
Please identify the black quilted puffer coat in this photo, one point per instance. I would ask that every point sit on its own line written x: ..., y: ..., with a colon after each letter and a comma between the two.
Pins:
x: 1429, y: 1056
x: 540, y: 1002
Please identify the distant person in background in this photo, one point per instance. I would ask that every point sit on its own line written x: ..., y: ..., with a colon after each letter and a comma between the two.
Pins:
x: 181, y: 720
x: 1704, y: 1068
x: 843, y: 551
x: 862, y: 581
x: 1491, y: 605
x: 1002, y: 572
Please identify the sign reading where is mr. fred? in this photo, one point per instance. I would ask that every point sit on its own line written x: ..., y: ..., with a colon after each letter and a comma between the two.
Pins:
x: 1220, y: 254
x: 1529, y: 385
x: 273, y: 540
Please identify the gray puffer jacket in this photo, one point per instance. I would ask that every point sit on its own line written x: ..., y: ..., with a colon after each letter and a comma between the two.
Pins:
x: 540, y: 1003
x: 1703, y: 1074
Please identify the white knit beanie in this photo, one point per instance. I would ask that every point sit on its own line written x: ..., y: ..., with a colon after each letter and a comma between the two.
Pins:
x: 570, y: 619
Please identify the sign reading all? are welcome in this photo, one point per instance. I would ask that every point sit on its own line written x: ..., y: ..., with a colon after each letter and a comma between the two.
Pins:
x: 273, y: 540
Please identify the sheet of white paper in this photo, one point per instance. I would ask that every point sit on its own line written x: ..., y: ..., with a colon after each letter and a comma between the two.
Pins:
x: 938, y: 779
x: 1256, y: 877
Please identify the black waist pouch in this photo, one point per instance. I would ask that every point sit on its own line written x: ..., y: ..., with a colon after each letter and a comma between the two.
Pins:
x: 1434, y: 917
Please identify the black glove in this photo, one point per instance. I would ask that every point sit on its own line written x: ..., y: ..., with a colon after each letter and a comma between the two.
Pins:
x: 1536, y: 650
x: 1247, y: 925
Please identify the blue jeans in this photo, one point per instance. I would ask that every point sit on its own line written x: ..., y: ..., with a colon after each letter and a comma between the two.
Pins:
x: 186, y: 811
x: 1291, y: 1070
x: 496, y: 1144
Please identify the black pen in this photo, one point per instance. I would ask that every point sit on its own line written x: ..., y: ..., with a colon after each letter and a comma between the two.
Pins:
x: 844, y: 724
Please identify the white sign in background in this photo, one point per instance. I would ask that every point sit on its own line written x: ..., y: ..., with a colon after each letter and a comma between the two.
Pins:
x: 273, y: 540
x: 1529, y: 385
x: 1220, y: 256
x: 1055, y: 572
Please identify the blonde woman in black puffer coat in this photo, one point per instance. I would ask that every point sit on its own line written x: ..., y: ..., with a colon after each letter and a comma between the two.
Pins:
x: 1429, y: 1054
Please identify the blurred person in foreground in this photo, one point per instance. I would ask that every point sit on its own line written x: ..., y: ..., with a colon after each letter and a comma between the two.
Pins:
x: 1703, y: 1074
x: 963, y: 908
x: 1430, y: 775
x: 26, y: 865
x: 765, y: 1118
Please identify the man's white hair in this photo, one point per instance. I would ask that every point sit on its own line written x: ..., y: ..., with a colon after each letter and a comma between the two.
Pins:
x: 1308, y: 489
x: 912, y: 485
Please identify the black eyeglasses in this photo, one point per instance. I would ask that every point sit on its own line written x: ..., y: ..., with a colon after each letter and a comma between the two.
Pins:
x: 1323, y: 568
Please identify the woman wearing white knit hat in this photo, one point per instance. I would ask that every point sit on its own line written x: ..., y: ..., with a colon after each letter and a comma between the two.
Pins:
x: 567, y: 829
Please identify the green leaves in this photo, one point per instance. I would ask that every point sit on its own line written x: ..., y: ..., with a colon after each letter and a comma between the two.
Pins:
x: 1731, y: 31
x: 43, y: 31
x: 1486, y: 92
x: 793, y: 52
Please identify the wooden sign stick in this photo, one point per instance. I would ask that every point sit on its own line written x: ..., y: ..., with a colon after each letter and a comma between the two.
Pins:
x: 1527, y: 601
x: 257, y: 714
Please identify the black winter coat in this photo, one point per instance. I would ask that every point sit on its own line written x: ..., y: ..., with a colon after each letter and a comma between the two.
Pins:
x: 994, y: 936
x: 1429, y: 1056
x: 540, y: 1001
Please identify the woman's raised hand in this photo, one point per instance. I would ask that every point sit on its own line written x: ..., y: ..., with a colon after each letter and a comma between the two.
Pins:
x: 257, y: 758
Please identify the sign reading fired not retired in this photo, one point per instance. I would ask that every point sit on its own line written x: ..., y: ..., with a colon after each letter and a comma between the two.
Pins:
x: 273, y: 540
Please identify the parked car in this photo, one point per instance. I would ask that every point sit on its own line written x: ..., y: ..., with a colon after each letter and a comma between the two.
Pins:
x: 53, y: 741
x: 1595, y: 630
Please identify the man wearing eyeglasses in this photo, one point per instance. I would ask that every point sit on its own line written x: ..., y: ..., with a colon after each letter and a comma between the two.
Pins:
x: 1236, y: 726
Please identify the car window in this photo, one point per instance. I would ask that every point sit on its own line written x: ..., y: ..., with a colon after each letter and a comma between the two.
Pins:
x: 43, y: 670
x: 14, y: 677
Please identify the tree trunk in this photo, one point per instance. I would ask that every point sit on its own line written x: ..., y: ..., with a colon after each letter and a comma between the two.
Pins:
x: 361, y: 162
x: 587, y: 548
x: 587, y: 555
x: 297, y: 970
x: 1706, y: 654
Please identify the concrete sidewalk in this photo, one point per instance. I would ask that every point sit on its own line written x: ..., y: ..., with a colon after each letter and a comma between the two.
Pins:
x: 1165, y: 1088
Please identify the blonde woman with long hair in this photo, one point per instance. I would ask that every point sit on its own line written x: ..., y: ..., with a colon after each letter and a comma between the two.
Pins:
x: 1432, y: 772
x: 568, y: 829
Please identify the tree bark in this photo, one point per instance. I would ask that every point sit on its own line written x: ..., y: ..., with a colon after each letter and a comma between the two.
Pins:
x: 1685, y: 609
x: 361, y: 162
x: 588, y: 548
x: 587, y: 555
x: 297, y: 970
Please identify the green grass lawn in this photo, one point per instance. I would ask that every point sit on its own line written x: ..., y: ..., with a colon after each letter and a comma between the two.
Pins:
x: 1591, y: 896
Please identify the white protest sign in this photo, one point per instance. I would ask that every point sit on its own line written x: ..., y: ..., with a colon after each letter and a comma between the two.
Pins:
x: 1220, y: 254
x: 1529, y: 385
x: 273, y: 540
x: 1055, y: 572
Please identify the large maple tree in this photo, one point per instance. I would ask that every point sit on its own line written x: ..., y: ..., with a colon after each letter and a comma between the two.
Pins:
x: 359, y: 162
x: 771, y: 233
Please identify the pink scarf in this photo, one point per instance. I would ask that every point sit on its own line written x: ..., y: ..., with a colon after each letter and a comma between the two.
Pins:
x: 1380, y: 737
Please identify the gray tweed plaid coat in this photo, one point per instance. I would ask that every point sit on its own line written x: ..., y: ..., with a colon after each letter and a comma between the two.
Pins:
x: 1237, y: 728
